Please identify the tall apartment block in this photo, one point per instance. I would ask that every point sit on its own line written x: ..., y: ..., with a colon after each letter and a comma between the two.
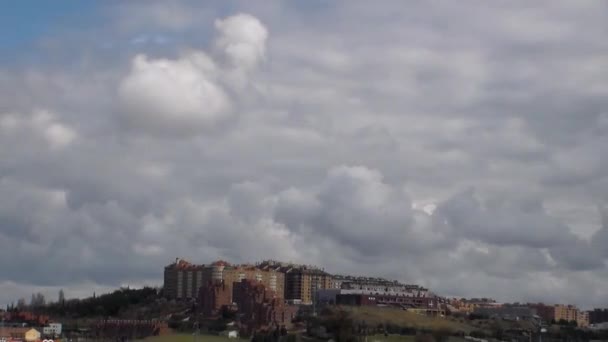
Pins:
x: 301, y: 281
x: 183, y: 280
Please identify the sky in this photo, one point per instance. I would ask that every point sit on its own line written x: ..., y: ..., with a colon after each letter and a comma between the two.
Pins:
x: 456, y: 145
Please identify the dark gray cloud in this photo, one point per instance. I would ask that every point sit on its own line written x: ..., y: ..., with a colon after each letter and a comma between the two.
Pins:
x: 321, y: 133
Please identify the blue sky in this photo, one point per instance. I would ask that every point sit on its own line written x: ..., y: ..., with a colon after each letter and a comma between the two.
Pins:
x: 25, y: 23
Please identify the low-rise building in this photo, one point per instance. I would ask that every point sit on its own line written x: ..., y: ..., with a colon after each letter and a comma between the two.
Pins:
x: 428, y: 304
x: 468, y: 306
x: 53, y: 329
x: 13, y: 332
x: 32, y: 335
x: 260, y: 308
x: 213, y: 297
x: 509, y: 312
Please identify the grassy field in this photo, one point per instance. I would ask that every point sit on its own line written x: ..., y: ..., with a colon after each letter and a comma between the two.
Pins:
x: 212, y: 338
x: 189, y: 338
x: 403, y: 338
x: 376, y: 315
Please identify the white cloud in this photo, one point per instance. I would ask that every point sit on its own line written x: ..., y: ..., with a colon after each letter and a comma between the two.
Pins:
x: 242, y: 39
x: 41, y: 125
x: 175, y: 96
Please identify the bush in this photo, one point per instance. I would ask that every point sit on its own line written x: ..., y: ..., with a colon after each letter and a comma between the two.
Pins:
x: 478, y: 334
x: 424, y: 338
x: 442, y: 335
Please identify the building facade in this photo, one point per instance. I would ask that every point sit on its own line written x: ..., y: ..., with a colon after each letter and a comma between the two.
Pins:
x: 565, y: 312
x: 545, y: 312
x: 598, y: 316
x: 428, y: 304
x: 301, y: 281
x: 183, y: 280
x: 582, y: 319
x: 260, y: 308
x: 509, y: 312
x: 213, y: 297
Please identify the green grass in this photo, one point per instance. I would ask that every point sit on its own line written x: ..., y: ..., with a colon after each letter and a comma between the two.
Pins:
x: 404, y: 338
x: 391, y: 338
x: 376, y: 315
x: 189, y: 338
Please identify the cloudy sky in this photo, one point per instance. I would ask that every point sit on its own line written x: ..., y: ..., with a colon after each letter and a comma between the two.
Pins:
x: 459, y: 145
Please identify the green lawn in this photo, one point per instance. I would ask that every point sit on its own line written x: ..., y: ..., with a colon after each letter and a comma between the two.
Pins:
x: 376, y: 315
x: 189, y: 338
x: 403, y: 338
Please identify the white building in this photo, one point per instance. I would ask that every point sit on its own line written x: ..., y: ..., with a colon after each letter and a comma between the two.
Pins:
x: 53, y: 329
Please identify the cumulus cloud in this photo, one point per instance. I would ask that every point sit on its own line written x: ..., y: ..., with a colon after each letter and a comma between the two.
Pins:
x: 242, y: 39
x: 41, y: 125
x: 185, y: 96
x: 182, y: 94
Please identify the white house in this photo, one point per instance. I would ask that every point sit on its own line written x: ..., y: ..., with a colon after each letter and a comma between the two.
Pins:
x: 52, y: 329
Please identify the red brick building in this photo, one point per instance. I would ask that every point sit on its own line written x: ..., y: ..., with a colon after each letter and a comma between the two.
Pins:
x: 545, y: 312
x: 260, y: 308
x: 213, y: 297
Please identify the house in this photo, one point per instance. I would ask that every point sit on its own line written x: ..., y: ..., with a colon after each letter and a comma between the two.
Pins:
x: 32, y: 335
x: 53, y: 329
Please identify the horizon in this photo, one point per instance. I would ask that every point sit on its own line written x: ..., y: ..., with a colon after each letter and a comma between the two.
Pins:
x: 456, y: 146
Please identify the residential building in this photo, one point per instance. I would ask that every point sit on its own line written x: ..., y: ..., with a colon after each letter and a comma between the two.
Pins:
x: 598, y: 316
x: 183, y: 280
x: 468, y: 306
x: 545, y: 312
x: 301, y: 281
x: 428, y: 304
x: 260, y: 308
x: 508, y: 312
x: 9, y: 333
x: 213, y: 297
x: 115, y: 329
x: 582, y: 318
x: 373, y: 283
x: 53, y: 329
x: 32, y: 335
x: 565, y: 312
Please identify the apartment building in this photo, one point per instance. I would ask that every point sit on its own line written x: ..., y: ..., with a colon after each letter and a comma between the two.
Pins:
x: 213, y: 297
x: 301, y: 281
x: 183, y: 280
x: 565, y: 312
x: 260, y: 307
x: 560, y: 312
x: 582, y: 319
x: 545, y: 312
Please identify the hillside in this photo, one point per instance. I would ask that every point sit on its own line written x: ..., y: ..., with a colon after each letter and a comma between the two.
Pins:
x: 377, y: 315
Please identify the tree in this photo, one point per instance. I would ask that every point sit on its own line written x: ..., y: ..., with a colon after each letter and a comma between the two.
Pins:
x: 21, y: 304
x: 37, y: 300
x: 61, y: 297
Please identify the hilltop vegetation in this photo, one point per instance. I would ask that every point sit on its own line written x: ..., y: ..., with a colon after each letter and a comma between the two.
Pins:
x: 145, y: 303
